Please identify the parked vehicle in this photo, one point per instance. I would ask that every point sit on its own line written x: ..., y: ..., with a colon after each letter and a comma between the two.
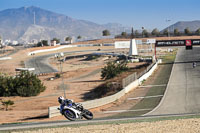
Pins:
x: 73, y: 111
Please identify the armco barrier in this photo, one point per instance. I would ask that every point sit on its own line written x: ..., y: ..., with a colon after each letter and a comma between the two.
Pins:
x: 52, y: 49
x: 103, y: 101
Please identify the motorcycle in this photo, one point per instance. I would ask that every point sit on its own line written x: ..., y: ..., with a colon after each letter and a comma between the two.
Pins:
x: 74, y: 111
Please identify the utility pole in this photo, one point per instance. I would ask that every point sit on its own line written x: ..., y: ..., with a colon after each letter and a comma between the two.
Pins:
x: 167, y: 20
x: 34, y: 18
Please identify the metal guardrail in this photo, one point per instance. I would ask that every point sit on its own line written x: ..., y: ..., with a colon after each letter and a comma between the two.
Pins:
x: 103, y: 101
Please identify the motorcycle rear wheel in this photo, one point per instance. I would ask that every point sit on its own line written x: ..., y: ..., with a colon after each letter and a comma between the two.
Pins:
x: 69, y: 114
x: 87, y: 114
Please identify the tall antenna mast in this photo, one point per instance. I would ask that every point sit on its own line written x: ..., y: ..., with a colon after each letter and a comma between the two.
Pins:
x: 34, y: 18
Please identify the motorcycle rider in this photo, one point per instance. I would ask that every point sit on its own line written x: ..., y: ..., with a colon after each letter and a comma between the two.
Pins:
x: 64, y: 102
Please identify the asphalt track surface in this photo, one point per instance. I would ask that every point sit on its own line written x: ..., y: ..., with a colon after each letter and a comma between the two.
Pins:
x: 37, y: 125
x: 41, y: 65
x: 183, y: 91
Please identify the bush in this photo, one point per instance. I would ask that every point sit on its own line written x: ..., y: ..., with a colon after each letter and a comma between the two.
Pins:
x: 57, y: 75
x: 7, y: 103
x: 112, y: 69
x: 25, y: 84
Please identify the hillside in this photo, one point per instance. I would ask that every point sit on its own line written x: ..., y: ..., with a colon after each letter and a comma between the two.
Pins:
x: 181, y: 25
x: 20, y: 24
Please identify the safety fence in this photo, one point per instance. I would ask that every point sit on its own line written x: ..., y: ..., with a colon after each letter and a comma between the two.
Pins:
x: 129, y: 84
x: 126, y: 81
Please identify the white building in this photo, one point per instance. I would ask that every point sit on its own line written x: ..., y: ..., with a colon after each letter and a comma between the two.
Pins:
x: 53, y: 43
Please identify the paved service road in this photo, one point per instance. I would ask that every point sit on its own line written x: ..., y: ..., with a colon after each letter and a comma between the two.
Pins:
x: 41, y: 65
x: 183, y: 91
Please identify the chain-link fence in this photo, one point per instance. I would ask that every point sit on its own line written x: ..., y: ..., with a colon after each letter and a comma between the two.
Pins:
x: 126, y: 81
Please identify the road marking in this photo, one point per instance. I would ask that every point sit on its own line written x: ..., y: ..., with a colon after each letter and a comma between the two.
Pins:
x: 135, y: 98
x: 147, y: 86
x: 120, y: 111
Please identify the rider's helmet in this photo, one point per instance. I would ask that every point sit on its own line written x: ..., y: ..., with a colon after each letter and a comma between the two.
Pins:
x: 61, y: 99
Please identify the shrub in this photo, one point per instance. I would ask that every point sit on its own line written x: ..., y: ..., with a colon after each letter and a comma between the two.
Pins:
x: 25, y: 84
x: 112, y: 69
x: 28, y: 84
x: 7, y: 103
x: 57, y: 75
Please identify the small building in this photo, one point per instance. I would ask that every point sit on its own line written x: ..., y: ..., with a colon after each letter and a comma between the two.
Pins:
x: 54, y: 43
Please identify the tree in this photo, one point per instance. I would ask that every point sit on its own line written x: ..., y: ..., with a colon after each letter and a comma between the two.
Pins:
x: 166, y: 32
x: 79, y: 37
x: 106, y: 33
x: 56, y: 39
x: 198, y: 31
x: 145, y: 33
x: 45, y: 42
x: 112, y: 69
x: 42, y: 43
x: 25, y: 84
x: 187, y: 31
x: 155, y: 32
x: 176, y: 32
x: 136, y: 33
x: 68, y: 39
x: 132, y: 33
x: 28, y: 84
x: 7, y: 103
x: 123, y: 34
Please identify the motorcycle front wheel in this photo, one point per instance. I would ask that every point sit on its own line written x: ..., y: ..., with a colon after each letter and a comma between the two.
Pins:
x: 69, y: 114
x: 87, y: 114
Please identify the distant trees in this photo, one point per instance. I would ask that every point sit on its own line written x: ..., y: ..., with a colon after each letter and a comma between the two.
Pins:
x: 155, y: 32
x: 42, y: 43
x: 132, y: 33
x: 79, y: 37
x: 68, y: 38
x: 176, y: 32
x: 166, y: 32
x: 197, y: 31
x: 137, y: 33
x: 56, y: 39
x: 187, y: 31
x: 145, y: 33
x: 124, y: 34
x: 106, y: 33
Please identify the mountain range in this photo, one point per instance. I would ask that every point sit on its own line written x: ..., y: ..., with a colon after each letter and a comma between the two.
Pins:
x: 27, y: 23
x: 181, y: 25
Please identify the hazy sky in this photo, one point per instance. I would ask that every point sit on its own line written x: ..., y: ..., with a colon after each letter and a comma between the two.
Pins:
x: 137, y: 13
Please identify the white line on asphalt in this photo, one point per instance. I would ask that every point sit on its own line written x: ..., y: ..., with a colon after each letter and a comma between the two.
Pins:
x: 146, y: 86
x: 135, y: 98
x: 119, y: 111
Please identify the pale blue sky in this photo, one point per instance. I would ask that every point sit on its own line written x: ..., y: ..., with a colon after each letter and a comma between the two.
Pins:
x: 137, y: 13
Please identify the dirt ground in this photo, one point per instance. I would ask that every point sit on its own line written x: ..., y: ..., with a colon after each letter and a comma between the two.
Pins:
x: 168, y: 126
x: 80, y: 77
